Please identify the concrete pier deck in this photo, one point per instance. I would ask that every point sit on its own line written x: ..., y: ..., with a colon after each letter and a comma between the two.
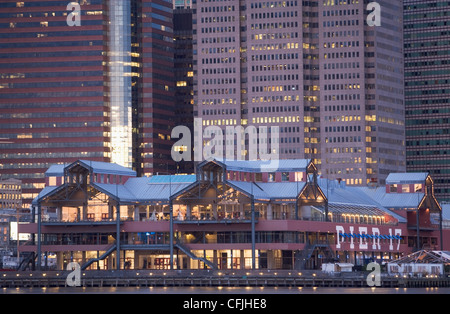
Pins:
x: 205, y: 278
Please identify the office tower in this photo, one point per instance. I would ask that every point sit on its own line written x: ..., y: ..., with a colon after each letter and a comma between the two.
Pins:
x: 97, y: 90
x: 427, y: 78
x: 184, y: 77
x: 181, y: 4
x: 330, y: 82
x: 155, y: 99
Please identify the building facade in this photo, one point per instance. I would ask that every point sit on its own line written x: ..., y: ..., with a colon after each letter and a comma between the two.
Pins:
x: 184, y: 78
x: 230, y: 215
x: 427, y: 75
x: 100, y: 90
x: 331, y: 84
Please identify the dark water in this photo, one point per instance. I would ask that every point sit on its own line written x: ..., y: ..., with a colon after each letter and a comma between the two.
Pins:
x: 222, y: 290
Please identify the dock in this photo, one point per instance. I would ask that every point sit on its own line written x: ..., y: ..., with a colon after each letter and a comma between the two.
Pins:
x: 204, y: 278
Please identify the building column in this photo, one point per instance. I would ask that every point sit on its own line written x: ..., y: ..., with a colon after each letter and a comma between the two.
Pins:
x: 188, y: 211
x: 269, y: 211
x: 253, y: 234
x: 118, y: 236
x: 39, y: 214
x: 171, y: 237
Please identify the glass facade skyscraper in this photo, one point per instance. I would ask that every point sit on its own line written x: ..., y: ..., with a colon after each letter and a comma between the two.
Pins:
x: 83, y: 92
x: 427, y: 91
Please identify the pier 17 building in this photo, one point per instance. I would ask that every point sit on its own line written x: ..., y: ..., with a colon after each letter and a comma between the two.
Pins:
x: 230, y: 215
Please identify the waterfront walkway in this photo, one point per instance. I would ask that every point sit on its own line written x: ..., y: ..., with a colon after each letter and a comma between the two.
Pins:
x: 205, y: 278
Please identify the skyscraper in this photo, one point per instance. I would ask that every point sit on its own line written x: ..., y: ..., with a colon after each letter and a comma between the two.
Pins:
x: 330, y: 82
x: 427, y: 92
x: 97, y: 90
x: 184, y: 76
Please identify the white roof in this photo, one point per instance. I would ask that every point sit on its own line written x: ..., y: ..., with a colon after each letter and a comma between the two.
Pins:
x: 406, y: 177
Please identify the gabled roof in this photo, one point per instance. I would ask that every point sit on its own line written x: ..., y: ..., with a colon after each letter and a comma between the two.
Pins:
x: 99, y: 167
x: 285, y: 165
x: 158, y: 188
x: 44, y: 192
x: 392, y: 200
x: 55, y: 170
x: 106, y: 168
x: 406, y: 177
x: 363, y: 197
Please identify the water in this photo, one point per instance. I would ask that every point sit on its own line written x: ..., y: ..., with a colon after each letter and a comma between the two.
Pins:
x: 222, y: 290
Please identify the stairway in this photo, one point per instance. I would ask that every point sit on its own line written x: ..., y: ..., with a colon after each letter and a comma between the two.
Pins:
x: 309, y: 250
x: 102, y: 257
x: 188, y: 252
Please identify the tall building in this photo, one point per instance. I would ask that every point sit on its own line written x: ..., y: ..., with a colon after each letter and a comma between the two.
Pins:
x: 182, y: 4
x: 330, y: 82
x: 184, y: 77
x: 100, y: 89
x: 427, y: 93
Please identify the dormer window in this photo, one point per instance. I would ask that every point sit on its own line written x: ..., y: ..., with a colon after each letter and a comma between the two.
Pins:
x: 417, y: 187
x: 393, y: 188
x: 405, y: 188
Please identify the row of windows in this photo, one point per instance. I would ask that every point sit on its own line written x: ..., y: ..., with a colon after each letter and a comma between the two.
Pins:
x: 341, y: 44
x: 276, y: 67
x: 342, y: 97
x: 212, y: 50
x: 343, y: 139
x: 341, y: 65
x: 280, y: 56
x: 222, y: 8
x: 427, y: 153
x: 347, y: 128
x: 231, y: 80
x: 41, y: 95
x: 428, y: 132
x: 343, y: 86
x: 265, y: 99
x: 218, y: 40
x: 274, y: 78
x: 342, y: 118
x: 46, y: 155
x: 223, y: 60
x: 54, y: 64
x: 88, y: 124
x: 226, y: 70
x: 279, y: 25
x: 337, y: 34
x: 219, y: 91
x: 34, y: 115
x: 68, y: 43
x: 273, y: 4
x: 429, y: 142
x: 208, y: 112
x: 340, y: 55
x: 83, y: 83
x: 45, y: 24
x: 338, y: 23
x: 51, y: 105
x: 276, y: 109
x: 221, y: 19
x: 341, y: 76
x: 218, y: 29
x: 273, y: 15
x: 273, y: 88
x: 83, y: 74
x: 68, y: 34
x: 219, y: 101
x: 30, y: 4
